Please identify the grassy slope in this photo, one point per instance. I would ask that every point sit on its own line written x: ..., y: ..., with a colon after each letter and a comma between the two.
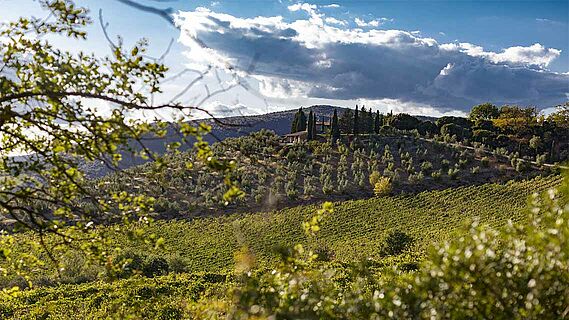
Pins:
x: 355, y: 229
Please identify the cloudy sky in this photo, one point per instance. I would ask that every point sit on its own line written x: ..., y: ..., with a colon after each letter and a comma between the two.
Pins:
x: 419, y: 57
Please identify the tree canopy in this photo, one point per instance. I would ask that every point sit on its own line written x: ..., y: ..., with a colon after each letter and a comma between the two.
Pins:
x: 48, y: 129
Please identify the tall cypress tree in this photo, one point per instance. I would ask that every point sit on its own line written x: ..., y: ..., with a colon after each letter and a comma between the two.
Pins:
x: 335, y: 129
x: 356, y: 122
x: 310, y: 126
x: 370, y: 121
x: 362, y: 120
x: 377, y: 122
x: 294, y: 125
x: 301, y: 121
x: 314, y: 129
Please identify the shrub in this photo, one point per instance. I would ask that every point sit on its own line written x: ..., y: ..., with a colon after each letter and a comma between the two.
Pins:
x: 451, y: 129
x: 382, y: 187
x: 426, y: 166
x: 374, y: 178
x: 155, y: 266
x: 453, y: 173
x: 395, y: 243
x: 437, y: 174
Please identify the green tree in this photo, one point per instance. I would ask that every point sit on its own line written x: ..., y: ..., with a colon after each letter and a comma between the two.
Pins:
x: 403, y: 121
x: 335, y: 129
x: 299, y: 122
x: 311, y: 126
x: 294, y: 124
x: 346, y: 121
x: 356, y: 123
x: 535, y: 143
x: 43, y: 115
x: 486, y: 111
x: 561, y: 116
x: 377, y: 123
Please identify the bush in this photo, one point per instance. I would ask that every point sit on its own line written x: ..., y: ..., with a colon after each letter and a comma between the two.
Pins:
x: 155, y: 266
x: 374, y: 178
x: 395, y: 243
x: 382, y: 187
x: 437, y: 174
x: 426, y: 166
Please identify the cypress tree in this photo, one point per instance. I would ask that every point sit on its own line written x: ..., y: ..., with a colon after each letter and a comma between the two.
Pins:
x: 301, y: 121
x: 335, y: 129
x: 294, y: 125
x: 362, y: 120
x: 356, y: 122
x: 314, y: 131
x: 310, y: 126
x: 377, y: 122
x: 370, y: 123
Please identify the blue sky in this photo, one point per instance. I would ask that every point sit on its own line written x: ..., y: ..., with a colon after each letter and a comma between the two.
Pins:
x: 422, y: 57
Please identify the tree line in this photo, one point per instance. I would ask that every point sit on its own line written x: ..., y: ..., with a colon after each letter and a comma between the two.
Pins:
x: 521, y: 130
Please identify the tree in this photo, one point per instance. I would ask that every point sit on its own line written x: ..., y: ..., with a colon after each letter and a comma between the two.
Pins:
x: 294, y: 125
x: 356, y: 124
x: 346, y: 121
x: 403, y: 121
x: 44, y: 117
x: 516, y: 119
x: 365, y: 121
x: 377, y: 123
x: 463, y: 122
x: 302, y: 122
x: 299, y: 121
x: 535, y: 143
x: 561, y: 116
x: 486, y: 111
x: 451, y: 129
x: 427, y: 127
x: 311, y: 126
x: 335, y: 129
x: 314, y: 129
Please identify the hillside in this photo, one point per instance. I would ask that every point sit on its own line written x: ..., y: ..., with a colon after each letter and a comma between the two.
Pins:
x: 204, y: 249
x: 229, y: 127
x: 274, y: 175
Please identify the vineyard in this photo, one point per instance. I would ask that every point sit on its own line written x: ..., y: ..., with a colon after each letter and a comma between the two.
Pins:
x: 201, y: 253
x: 355, y: 230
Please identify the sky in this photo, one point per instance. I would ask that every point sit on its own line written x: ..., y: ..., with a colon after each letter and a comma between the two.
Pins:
x: 419, y: 57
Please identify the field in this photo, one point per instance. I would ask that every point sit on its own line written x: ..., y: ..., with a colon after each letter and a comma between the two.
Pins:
x: 204, y: 249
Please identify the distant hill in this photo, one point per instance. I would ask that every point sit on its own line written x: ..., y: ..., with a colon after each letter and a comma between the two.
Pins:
x: 279, y: 122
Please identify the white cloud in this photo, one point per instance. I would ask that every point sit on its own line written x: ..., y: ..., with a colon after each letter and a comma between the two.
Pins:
x: 333, y: 5
x: 534, y: 55
x: 332, y: 20
x: 320, y: 58
x: 371, y: 23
